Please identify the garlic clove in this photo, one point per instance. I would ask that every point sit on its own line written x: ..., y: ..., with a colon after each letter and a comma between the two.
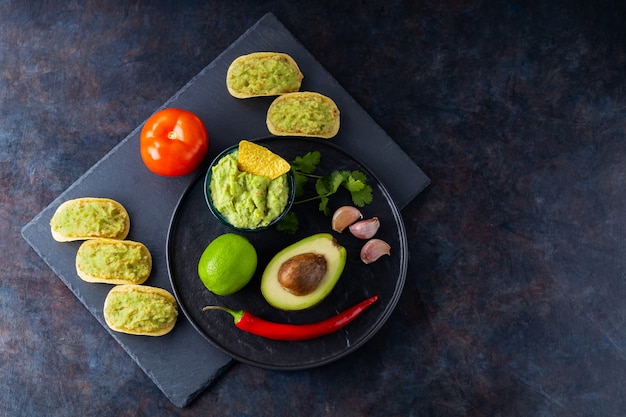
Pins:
x: 365, y: 229
x: 344, y: 216
x: 374, y: 249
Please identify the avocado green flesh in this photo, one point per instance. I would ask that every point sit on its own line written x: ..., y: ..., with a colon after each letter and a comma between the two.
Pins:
x: 140, y: 312
x: 265, y: 76
x: 91, y: 219
x: 119, y: 260
x: 279, y: 297
x: 304, y: 115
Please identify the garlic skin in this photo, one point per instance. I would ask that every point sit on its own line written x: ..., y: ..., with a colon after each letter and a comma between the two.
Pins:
x: 365, y: 229
x: 374, y: 249
x: 344, y: 216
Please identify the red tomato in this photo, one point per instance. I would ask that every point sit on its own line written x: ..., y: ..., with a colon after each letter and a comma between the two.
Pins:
x: 173, y: 142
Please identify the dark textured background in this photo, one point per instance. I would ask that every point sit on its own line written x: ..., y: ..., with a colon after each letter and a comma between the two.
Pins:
x: 515, y: 300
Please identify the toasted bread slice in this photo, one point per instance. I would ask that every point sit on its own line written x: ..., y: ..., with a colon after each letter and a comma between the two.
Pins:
x: 303, y: 114
x: 89, y: 218
x: 263, y: 74
x: 140, y: 310
x: 113, y: 261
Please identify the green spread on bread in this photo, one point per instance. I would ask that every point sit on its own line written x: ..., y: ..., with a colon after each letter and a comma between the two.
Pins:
x: 113, y: 261
x: 140, y: 310
x: 263, y: 74
x: 303, y: 114
x: 88, y: 218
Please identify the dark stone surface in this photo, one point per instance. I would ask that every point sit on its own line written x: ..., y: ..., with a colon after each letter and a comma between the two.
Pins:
x: 514, y: 304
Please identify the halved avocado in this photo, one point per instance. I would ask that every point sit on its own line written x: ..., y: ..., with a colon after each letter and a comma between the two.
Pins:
x: 304, y: 273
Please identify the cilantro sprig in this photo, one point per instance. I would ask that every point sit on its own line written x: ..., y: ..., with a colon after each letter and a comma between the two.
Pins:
x: 355, y: 182
x: 325, y: 186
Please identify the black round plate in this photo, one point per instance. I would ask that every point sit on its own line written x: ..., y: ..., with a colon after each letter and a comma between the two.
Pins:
x: 193, y: 227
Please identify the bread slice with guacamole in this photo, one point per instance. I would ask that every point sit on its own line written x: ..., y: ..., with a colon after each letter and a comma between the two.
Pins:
x: 89, y: 218
x: 303, y: 114
x: 112, y: 261
x: 263, y: 74
x: 140, y: 310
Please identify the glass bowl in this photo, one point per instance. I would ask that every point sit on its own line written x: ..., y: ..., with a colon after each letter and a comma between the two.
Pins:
x: 291, y: 185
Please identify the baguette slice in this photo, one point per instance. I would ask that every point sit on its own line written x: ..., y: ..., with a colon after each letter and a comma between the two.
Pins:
x: 140, y: 310
x: 113, y: 261
x: 263, y: 74
x: 89, y: 218
x: 303, y: 114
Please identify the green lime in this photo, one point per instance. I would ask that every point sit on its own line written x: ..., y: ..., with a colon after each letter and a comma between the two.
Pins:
x: 227, y: 264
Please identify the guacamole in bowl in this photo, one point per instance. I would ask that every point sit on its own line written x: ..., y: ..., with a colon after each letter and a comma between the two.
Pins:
x: 245, y: 201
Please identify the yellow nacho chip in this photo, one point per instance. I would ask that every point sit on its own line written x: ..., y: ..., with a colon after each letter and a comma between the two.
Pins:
x: 258, y: 160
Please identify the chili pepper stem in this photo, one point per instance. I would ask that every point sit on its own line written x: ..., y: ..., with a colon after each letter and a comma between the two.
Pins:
x: 237, y: 314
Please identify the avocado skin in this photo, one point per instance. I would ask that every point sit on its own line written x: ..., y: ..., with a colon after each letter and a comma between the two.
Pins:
x: 321, y: 243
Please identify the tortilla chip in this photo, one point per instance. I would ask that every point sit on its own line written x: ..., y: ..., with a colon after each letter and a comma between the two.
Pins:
x: 258, y: 160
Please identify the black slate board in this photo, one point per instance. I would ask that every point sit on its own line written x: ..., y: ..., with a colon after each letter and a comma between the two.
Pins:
x: 182, y: 364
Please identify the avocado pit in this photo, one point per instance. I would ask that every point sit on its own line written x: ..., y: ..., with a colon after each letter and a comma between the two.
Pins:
x: 302, y: 274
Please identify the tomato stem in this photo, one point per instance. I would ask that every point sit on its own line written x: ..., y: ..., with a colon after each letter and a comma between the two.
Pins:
x: 172, y: 135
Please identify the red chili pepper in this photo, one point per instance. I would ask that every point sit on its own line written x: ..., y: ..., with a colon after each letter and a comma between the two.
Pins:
x: 281, y: 331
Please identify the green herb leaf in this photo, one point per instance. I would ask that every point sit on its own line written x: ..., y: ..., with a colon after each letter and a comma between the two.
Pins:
x: 289, y: 223
x: 300, y: 181
x: 330, y: 183
x: 353, y: 185
x: 323, y: 207
x: 360, y: 191
x: 362, y: 197
x: 307, y: 163
x: 359, y: 176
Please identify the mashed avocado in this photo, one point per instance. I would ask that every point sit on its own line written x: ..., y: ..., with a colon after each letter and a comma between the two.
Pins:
x: 306, y: 114
x: 109, y: 260
x: 263, y: 74
x: 88, y: 218
x: 245, y: 200
x: 138, y: 311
